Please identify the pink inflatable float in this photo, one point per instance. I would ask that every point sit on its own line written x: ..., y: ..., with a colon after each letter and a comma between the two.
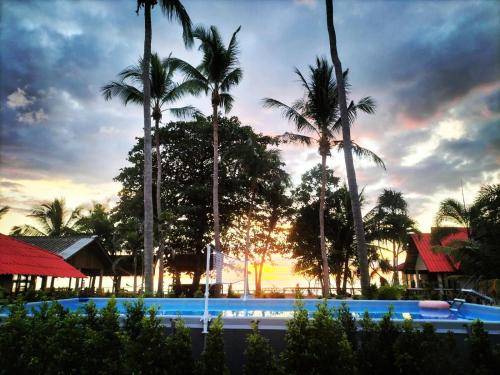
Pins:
x: 439, y: 305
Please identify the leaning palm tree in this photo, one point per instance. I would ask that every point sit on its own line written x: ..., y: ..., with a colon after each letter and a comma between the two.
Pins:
x: 171, y: 9
x: 217, y: 73
x: 164, y: 91
x: 54, y: 219
x: 317, y: 115
x: 349, y: 149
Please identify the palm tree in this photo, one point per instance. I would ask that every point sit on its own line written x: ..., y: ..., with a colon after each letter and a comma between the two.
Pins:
x: 217, y: 73
x: 54, y: 218
x: 389, y: 222
x: 171, y: 9
x: 349, y: 148
x: 317, y: 114
x: 164, y: 92
x: 478, y: 254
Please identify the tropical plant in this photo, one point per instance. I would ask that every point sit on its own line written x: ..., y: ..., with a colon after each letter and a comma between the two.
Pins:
x: 179, y: 350
x: 213, y: 358
x: 296, y: 357
x: 478, y: 254
x: 259, y: 355
x: 164, y: 92
x: 171, y: 9
x: 317, y: 115
x: 217, y: 73
x: 54, y: 219
x: 349, y: 148
x: 389, y: 222
x: 332, y: 353
x: 97, y: 221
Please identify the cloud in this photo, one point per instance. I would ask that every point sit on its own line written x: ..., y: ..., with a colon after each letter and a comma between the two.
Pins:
x: 18, y: 99
x: 33, y: 117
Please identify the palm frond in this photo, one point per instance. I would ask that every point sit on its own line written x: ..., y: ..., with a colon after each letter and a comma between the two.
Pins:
x: 226, y: 102
x: 174, y: 9
x: 4, y: 210
x: 197, y: 81
x: 291, y: 114
x: 184, y: 112
x: 361, y: 152
x: 126, y: 93
x: 453, y: 211
x: 26, y: 230
x: 231, y: 79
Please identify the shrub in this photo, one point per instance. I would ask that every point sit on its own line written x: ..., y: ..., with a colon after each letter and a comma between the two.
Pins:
x: 328, y: 345
x: 213, y: 358
x: 198, y: 293
x: 369, y: 347
x: 296, y: 357
x: 259, y: 355
x: 274, y: 293
x: 348, y: 323
x: 388, y: 334
x: 179, y: 350
x: 407, y: 353
x: 481, y: 354
x: 147, y: 353
x: 388, y: 292
x: 105, y: 352
x: 13, y: 340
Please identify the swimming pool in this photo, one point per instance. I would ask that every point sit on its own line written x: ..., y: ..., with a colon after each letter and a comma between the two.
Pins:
x: 273, y: 313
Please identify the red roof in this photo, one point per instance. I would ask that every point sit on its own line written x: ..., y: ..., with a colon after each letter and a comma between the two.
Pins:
x: 436, y: 261
x: 20, y: 258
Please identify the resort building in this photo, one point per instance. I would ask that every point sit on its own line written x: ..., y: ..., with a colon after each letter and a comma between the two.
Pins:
x: 426, y: 268
x: 85, y: 253
x: 21, y: 263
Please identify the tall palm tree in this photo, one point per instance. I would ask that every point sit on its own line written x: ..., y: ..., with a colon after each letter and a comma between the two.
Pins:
x: 164, y: 91
x: 317, y: 114
x: 171, y: 9
x: 54, y: 218
x: 217, y: 73
x: 349, y: 149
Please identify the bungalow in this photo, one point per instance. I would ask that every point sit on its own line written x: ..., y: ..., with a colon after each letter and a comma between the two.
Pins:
x: 27, y: 262
x: 85, y: 253
x: 424, y: 267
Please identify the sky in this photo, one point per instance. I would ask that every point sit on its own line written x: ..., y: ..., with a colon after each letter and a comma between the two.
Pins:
x: 431, y: 67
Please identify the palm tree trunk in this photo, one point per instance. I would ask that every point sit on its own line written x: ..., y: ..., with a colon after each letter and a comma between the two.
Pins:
x: 247, y: 236
x: 148, y: 162
x: 215, y: 188
x: 161, y: 247
x: 135, y: 272
x: 324, y: 258
x: 351, y: 173
x: 346, y: 275
x: 395, y: 276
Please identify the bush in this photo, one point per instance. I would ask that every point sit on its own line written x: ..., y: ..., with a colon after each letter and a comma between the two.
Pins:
x: 179, y: 350
x: 483, y: 359
x: 328, y: 345
x: 14, y: 333
x: 274, y: 293
x: 296, y: 357
x: 388, y: 334
x: 348, y: 323
x: 213, y: 358
x: 259, y: 355
x: 198, y: 293
x: 388, y: 292
x: 369, y: 347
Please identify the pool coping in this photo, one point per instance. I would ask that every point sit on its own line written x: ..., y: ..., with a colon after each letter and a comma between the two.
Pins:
x: 280, y: 323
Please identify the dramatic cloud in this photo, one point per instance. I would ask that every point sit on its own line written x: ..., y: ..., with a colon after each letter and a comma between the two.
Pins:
x: 432, y: 68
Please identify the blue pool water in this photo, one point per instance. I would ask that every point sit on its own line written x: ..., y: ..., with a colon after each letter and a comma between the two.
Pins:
x: 283, y: 308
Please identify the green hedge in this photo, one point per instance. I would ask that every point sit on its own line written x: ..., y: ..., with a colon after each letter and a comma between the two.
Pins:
x: 57, y: 341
